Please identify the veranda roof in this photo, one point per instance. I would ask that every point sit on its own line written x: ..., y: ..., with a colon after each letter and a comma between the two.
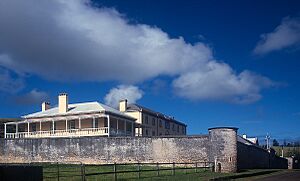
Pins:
x: 79, y: 108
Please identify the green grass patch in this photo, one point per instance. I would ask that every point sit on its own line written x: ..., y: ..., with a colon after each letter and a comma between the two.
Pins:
x: 182, y: 172
x: 105, y: 172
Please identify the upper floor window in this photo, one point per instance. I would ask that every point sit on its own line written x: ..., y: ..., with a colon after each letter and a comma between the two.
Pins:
x: 178, y: 128
x: 153, y: 133
x: 146, y: 119
x: 173, y: 127
x: 167, y: 124
x: 160, y: 123
x: 153, y: 121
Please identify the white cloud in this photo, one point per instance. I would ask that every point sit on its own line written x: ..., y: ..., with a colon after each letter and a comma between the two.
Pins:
x: 285, y: 35
x: 32, y: 98
x: 68, y: 40
x: 129, y: 92
x: 219, y: 82
x: 71, y: 40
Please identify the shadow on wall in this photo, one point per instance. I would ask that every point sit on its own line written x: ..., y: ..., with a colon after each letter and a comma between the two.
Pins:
x: 254, y: 157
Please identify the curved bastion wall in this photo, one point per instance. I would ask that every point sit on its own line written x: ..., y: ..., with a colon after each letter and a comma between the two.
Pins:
x: 223, y: 150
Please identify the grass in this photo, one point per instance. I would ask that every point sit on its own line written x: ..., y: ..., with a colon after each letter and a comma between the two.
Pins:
x: 73, y: 172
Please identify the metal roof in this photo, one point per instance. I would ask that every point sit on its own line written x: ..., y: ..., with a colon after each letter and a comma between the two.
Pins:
x: 140, y: 108
x: 78, y: 108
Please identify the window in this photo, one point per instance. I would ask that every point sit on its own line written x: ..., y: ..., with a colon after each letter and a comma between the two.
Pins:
x: 153, y: 121
x: 105, y: 122
x: 51, y: 125
x: 33, y: 127
x: 178, y: 128
x: 72, y: 124
x: 146, y: 119
x: 153, y: 133
x: 160, y: 134
x: 128, y: 126
x: 96, y: 123
x: 160, y: 123
x: 147, y: 132
x: 167, y: 124
x: 173, y: 127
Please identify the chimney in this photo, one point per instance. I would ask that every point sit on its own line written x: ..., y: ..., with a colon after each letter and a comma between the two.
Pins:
x: 45, y: 106
x: 244, y: 136
x: 123, y: 105
x: 63, y: 103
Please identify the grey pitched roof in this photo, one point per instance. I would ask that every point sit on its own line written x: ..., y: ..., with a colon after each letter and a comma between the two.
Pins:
x: 79, y: 108
x: 245, y: 141
x: 136, y: 107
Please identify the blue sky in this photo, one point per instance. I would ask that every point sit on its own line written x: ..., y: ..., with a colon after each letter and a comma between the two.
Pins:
x: 207, y: 63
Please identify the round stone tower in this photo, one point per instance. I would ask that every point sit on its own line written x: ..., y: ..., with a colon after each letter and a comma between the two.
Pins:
x: 223, y: 148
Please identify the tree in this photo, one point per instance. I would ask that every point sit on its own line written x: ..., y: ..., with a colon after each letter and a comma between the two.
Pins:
x: 275, y: 142
x: 284, y: 143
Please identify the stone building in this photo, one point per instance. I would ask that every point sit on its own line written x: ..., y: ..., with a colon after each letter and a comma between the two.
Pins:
x: 72, y: 120
x: 92, y: 119
x: 152, y: 123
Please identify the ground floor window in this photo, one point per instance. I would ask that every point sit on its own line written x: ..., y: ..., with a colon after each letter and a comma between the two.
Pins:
x: 33, y: 127
x: 105, y: 123
x: 53, y: 124
x: 96, y: 123
x: 147, y: 132
x: 72, y: 124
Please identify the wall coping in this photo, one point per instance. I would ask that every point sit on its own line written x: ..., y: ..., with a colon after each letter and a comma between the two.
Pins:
x: 234, y: 128
x: 114, y: 137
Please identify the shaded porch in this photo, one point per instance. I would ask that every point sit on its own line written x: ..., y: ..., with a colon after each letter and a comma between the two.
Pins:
x: 71, y: 126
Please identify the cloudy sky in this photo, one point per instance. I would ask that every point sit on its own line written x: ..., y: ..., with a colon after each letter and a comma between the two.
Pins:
x: 205, y: 63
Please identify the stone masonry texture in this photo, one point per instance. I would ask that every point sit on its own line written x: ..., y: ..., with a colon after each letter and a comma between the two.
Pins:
x: 96, y: 150
x: 219, y: 146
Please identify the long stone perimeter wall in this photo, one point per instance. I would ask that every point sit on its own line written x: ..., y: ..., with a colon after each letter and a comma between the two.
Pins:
x: 219, y: 146
x: 251, y: 156
x: 92, y: 150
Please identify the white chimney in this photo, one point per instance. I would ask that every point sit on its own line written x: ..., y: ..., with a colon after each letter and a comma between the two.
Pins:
x: 45, y: 106
x: 123, y: 105
x: 244, y: 136
x: 63, y: 103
